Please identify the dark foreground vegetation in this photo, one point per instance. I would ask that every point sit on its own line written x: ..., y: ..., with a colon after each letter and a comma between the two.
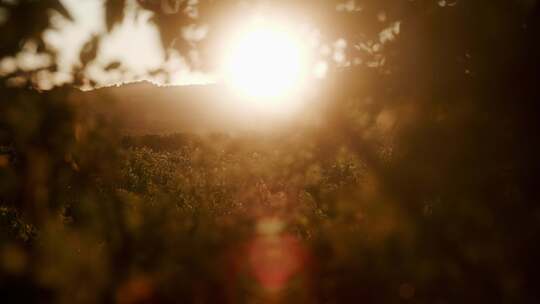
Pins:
x: 89, y: 215
x: 418, y: 185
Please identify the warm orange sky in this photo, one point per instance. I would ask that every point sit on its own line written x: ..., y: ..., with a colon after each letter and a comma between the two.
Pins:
x: 135, y: 43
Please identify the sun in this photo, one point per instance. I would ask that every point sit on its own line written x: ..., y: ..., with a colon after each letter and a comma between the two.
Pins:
x: 265, y: 63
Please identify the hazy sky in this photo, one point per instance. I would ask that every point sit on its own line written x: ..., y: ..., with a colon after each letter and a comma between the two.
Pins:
x: 135, y: 43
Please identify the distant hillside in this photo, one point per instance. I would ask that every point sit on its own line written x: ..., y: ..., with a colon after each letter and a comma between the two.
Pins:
x: 144, y: 108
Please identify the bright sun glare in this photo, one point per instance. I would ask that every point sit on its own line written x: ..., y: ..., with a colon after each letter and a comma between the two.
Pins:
x: 265, y: 63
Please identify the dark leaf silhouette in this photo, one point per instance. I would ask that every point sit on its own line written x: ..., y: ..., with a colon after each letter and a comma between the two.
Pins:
x: 89, y: 50
x: 113, y: 66
x: 114, y: 12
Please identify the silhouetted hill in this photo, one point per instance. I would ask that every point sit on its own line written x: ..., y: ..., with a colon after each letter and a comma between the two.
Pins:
x: 145, y: 108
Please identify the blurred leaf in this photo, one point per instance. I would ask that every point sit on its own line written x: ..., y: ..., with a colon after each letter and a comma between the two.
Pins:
x: 89, y: 50
x: 114, y: 12
x: 113, y: 65
x: 59, y: 7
